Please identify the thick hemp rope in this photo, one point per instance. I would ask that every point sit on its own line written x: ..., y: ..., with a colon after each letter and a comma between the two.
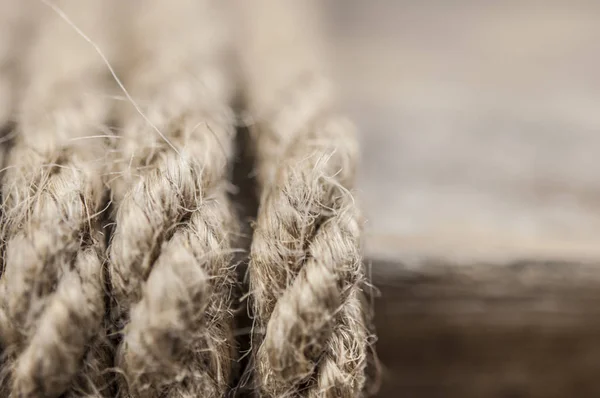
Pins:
x: 170, y: 256
x: 51, y: 289
x: 169, y: 263
x: 305, y: 272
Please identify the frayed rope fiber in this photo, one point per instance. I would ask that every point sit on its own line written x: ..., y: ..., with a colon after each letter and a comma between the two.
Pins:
x: 312, y: 333
x: 306, y: 272
x: 52, y: 293
x: 118, y: 276
x: 170, y: 255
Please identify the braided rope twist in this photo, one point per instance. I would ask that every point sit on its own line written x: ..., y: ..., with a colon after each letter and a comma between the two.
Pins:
x: 170, y: 256
x: 52, y: 297
x: 306, y: 277
x: 305, y: 271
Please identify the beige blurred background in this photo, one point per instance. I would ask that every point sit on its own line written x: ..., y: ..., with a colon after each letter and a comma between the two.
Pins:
x: 480, y: 125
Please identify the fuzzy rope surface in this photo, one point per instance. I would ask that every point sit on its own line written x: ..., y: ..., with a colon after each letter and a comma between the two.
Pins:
x: 52, y: 297
x: 171, y: 277
x: 170, y: 255
x: 306, y: 275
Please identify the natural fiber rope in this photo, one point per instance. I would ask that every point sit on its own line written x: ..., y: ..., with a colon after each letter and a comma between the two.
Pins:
x: 170, y: 256
x: 171, y: 277
x: 306, y: 275
x: 52, y: 300
x: 306, y: 272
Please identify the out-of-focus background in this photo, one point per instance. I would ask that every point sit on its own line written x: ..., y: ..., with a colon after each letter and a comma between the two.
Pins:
x: 480, y: 126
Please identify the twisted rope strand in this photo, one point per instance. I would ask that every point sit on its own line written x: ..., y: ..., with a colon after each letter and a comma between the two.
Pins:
x: 171, y: 254
x: 52, y: 300
x: 305, y: 273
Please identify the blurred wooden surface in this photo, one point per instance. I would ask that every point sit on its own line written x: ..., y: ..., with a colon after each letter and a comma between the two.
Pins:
x: 480, y: 180
x: 519, y: 330
x: 480, y: 125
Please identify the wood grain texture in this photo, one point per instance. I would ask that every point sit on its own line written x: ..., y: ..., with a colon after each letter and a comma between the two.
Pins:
x: 519, y: 330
